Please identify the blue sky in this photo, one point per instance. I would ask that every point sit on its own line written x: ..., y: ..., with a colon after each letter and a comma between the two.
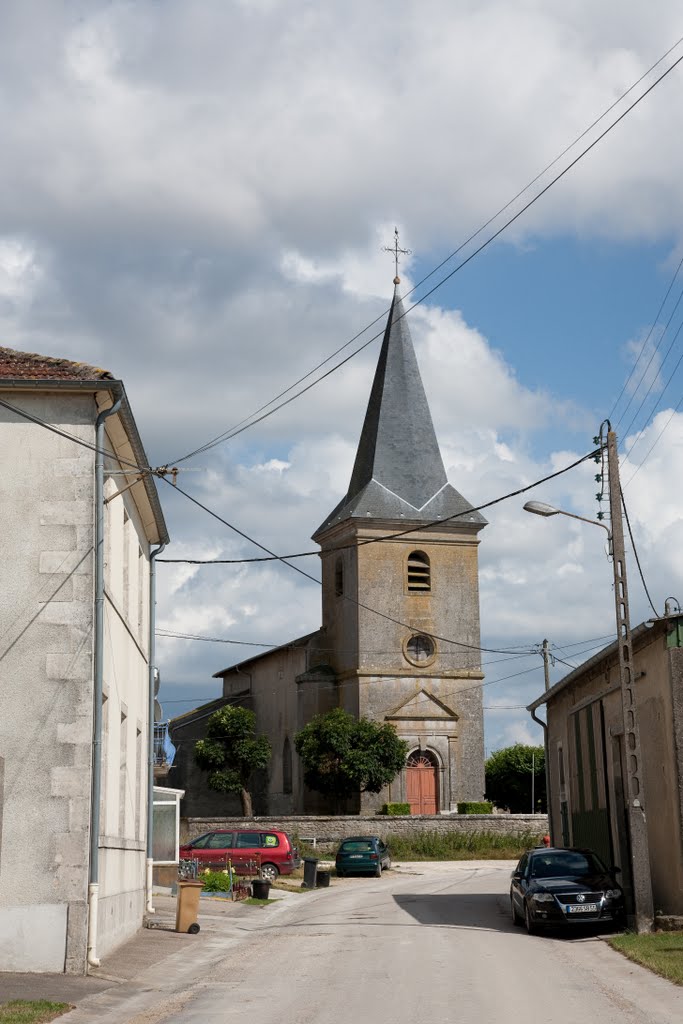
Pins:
x: 196, y: 195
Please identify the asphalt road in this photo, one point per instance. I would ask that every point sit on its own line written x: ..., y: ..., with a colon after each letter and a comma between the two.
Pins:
x: 430, y: 943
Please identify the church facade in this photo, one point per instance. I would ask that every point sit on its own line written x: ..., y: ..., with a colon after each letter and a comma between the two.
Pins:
x: 400, y: 635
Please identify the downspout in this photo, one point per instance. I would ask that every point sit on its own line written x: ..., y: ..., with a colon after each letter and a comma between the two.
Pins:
x: 548, y: 796
x: 96, y: 790
x: 150, y: 762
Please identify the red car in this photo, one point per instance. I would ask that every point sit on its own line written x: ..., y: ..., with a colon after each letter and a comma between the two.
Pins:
x: 271, y: 852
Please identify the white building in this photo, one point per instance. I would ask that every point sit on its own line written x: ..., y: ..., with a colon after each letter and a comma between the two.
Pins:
x: 72, y: 867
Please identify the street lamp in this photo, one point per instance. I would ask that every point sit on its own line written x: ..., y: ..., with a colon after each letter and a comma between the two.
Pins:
x: 635, y: 790
x: 541, y: 508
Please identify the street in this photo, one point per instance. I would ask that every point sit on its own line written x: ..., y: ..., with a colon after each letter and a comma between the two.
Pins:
x: 426, y: 942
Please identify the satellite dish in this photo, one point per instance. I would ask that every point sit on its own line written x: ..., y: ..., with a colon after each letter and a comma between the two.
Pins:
x: 158, y: 713
x: 157, y: 681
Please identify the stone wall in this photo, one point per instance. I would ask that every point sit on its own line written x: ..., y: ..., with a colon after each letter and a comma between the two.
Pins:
x: 331, y: 829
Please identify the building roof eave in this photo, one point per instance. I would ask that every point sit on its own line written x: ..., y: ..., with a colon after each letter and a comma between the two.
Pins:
x: 239, y: 666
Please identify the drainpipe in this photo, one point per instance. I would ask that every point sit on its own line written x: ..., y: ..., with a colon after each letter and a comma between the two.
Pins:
x: 96, y: 790
x: 544, y: 726
x: 150, y: 764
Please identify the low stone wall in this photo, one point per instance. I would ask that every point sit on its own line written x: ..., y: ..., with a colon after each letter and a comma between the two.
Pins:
x: 330, y: 829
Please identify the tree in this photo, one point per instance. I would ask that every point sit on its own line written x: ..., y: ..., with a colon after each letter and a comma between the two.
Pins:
x: 508, y: 778
x: 343, y: 755
x: 232, y: 752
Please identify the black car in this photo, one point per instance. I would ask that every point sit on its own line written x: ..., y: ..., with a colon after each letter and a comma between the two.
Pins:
x: 557, y: 887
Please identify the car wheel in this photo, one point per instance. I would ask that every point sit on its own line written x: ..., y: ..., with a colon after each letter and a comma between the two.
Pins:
x: 516, y: 919
x: 340, y: 874
x: 269, y: 872
x: 530, y: 926
x: 378, y: 870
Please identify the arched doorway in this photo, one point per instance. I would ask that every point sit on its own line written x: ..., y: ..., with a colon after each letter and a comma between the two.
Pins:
x: 422, y: 782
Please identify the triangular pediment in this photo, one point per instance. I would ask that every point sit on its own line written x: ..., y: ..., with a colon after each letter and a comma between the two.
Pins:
x: 422, y: 705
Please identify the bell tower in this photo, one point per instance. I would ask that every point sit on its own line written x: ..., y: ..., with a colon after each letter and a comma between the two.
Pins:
x: 401, y: 590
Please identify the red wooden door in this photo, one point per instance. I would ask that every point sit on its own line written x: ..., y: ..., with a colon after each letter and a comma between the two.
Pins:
x: 422, y: 785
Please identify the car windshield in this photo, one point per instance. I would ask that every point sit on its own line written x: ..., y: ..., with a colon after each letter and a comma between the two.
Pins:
x: 565, y: 864
x: 357, y: 846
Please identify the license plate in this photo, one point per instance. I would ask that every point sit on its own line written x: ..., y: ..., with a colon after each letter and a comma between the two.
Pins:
x: 356, y: 856
x: 583, y: 908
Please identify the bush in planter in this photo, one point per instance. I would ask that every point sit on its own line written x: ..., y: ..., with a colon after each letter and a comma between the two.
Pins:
x: 395, y: 809
x: 475, y: 807
x: 215, y: 881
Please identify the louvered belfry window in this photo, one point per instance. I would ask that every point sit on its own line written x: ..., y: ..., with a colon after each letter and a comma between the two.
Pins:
x: 419, y: 575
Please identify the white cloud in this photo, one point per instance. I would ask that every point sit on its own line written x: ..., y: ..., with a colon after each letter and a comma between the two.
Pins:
x: 197, y: 196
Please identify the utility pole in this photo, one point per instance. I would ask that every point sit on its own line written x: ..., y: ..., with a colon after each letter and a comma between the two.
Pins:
x: 545, y: 651
x: 635, y: 787
x: 533, y: 781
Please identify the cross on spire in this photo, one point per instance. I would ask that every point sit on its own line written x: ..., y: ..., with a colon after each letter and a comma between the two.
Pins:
x: 397, y: 251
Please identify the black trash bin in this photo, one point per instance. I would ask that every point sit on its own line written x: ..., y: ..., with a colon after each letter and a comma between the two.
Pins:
x: 310, y: 872
x: 260, y: 889
x: 322, y: 879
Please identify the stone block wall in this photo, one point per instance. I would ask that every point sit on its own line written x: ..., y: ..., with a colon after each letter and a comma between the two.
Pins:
x: 330, y: 829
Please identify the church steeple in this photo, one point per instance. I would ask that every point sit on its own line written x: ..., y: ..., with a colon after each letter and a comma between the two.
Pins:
x: 399, y: 472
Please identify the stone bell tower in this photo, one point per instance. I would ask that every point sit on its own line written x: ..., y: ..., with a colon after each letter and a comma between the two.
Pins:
x: 401, y: 591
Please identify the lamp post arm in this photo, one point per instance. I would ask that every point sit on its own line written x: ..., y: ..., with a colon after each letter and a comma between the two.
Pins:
x: 595, y: 522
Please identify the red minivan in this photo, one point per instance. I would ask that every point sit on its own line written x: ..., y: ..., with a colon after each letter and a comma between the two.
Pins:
x: 269, y: 851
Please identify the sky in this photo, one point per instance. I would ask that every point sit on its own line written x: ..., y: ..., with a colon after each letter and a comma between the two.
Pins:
x: 196, y: 196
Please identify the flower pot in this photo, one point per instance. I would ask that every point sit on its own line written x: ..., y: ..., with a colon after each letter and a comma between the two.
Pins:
x: 260, y: 889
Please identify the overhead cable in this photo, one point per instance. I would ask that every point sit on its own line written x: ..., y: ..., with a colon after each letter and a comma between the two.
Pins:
x: 272, y: 557
x: 261, y: 414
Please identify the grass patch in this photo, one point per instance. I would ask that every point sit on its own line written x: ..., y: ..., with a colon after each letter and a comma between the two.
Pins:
x: 253, y: 902
x: 460, y: 846
x: 661, y: 952
x: 426, y: 845
x: 34, y: 1011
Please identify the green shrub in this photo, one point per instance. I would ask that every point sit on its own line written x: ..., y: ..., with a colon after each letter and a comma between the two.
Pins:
x: 215, y: 881
x: 475, y: 807
x: 395, y: 809
x: 460, y: 845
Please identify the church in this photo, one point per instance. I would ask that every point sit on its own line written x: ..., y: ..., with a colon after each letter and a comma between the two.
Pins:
x: 400, y: 635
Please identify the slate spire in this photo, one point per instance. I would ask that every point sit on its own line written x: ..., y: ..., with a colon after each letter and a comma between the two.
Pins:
x: 399, y: 472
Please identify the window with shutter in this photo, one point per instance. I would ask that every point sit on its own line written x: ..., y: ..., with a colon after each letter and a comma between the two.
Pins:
x: 419, y: 574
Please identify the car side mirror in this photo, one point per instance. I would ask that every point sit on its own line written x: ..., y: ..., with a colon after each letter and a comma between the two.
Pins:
x: 516, y: 875
x: 616, y: 870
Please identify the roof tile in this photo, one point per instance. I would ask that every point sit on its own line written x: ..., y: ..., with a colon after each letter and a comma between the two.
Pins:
x: 30, y: 366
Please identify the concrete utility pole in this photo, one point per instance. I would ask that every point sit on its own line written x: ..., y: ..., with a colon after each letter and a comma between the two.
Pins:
x: 545, y: 651
x: 635, y: 788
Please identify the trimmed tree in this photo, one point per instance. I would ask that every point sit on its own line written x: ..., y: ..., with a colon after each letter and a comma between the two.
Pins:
x: 508, y: 778
x: 232, y: 752
x: 343, y: 756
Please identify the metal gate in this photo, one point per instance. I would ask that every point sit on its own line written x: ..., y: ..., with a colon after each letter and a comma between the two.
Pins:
x: 422, y: 783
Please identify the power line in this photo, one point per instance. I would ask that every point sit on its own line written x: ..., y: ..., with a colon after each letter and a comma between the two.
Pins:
x: 359, y: 604
x: 635, y: 553
x: 250, y: 421
x: 173, y: 635
x: 653, y: 445
x: 656, y: 376
x: 302, y: 572
x: 72, y: 437
x: 371, y: 540
x: 642, y: 350
x: 418, y: 699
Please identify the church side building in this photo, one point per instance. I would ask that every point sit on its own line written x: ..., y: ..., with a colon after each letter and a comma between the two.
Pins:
x: 400, y: 636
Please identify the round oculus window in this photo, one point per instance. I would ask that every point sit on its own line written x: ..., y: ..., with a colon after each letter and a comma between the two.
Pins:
x: 420, y: 649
